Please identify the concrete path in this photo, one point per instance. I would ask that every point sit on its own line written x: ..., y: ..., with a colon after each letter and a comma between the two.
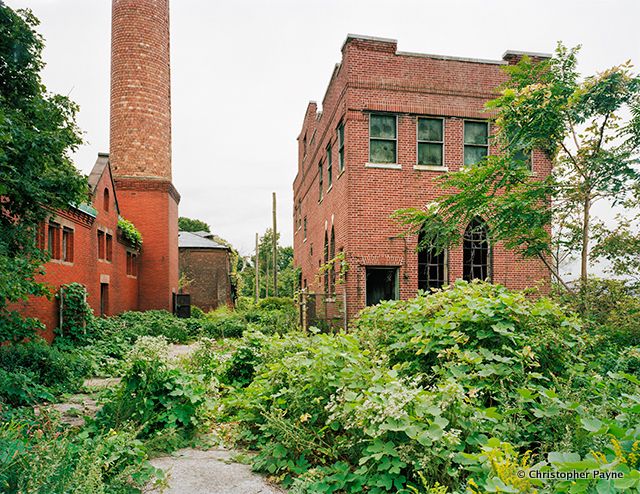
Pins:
x: 192, y: 471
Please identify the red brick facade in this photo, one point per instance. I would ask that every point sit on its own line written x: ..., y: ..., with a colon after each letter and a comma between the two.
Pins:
x: 140, y: 141
x: 96, y: 255
x: 117, y: 277
x: 374, y: 78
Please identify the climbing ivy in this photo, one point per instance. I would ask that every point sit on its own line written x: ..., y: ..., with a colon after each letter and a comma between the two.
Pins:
x: 130, y: 233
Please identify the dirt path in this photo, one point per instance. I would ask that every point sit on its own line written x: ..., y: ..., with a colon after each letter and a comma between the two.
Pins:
x: 192, y: 471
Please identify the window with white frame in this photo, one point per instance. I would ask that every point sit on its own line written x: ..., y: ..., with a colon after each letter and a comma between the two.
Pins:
x: 476, y: 141
x: 383, y: 139
x: 430, y: 141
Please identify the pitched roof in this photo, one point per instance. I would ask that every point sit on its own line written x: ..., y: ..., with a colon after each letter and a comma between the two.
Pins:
x: 190, y: 240
x: 102, y: 163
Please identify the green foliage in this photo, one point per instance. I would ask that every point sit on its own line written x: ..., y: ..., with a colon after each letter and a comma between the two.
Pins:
x: 35, y: 371
x: 287, y: 273
x: 130, y: 233
x: 161, y: 403
x: 76, y: 312
x: 39, y: 457
x: 192, y: 225
x: 223, y: 323
x: 411, y: 401
x: 37, y: 135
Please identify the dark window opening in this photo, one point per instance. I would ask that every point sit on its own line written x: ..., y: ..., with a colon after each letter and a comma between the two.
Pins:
x: 382, y: 284
x: 340, y: 148
x: 475, y: 251
x: 53, y: 240
x: 332, y: 255
x: 320, y: 182
x: 104, y: 299
x: 67, y: 245
x: 106, y: 199
x: 109, y: 247
x: 329, y: 167
x: 326, y: 260
x: 431, y: 267
x: 101, y: 245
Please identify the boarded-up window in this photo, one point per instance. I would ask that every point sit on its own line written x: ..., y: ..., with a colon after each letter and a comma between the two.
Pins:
x: 53, y: 240
x: 382, y: 139
x: 430, y: 141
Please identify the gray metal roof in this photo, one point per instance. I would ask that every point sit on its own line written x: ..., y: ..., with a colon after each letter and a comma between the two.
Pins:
x: 189, y: 240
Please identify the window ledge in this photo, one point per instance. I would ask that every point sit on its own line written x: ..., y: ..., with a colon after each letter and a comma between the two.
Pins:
x: 431, y: 168
x: 341, y: 173
x: 384, y: 166
x: 329, y: 189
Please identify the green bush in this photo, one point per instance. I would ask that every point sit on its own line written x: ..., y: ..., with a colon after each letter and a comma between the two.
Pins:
x: 77, y: 315
x: 276, y: 303
x: 160, y: 402
x: 223, y: 323
x: 37, y: 456
x: 44, y: 366
x: 421, y: 387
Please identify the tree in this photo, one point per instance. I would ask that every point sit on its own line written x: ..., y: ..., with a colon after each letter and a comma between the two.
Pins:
x: 578, y: 123
x: 37, y: 134
x: 192, y: 225
x: 287, y: 274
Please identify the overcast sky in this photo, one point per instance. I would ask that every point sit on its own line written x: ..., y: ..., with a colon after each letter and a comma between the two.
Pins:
x: 243, y: 72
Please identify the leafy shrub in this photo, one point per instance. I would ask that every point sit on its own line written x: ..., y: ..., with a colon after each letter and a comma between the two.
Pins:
x: 157, y: 400
x: 276, y: 303
x: 197, y: 312
x: 44, y: 366
x: 223, y: 323
x: 77, y: 314
x: 421, y: 384
x: 19, y: 389
x: 130, y: 233
x: 38, y: 457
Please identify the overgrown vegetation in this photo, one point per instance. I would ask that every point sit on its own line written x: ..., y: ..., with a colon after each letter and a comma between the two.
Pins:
x: 37, y: 135
x: 130, y: 233
x: 449, y: 392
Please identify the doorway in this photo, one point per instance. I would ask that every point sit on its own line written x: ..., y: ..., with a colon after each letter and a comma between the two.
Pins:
x: 382, y: 284
x: 104, y: 298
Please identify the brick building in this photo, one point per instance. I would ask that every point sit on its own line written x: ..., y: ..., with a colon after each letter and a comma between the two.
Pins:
x: 391, y: 124
x: 206, y: 265
x: 134, y: 181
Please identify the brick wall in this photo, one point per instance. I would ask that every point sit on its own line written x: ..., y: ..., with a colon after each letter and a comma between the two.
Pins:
x: 86, y: 268
x: 374, y: 77
x: 140, y: 147
x: 208, y: 270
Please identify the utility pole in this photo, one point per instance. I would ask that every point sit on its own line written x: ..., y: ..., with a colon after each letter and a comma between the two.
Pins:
x: 257, y: 268
x: 275, y: 250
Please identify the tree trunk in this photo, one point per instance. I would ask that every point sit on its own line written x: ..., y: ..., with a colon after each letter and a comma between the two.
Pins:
x: 585, y: 251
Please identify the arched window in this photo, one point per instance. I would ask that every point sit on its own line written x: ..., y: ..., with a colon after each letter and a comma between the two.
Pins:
x: 332, y: 255
x: 105, y: 199
x: 475, y: 251
x: 326, y: 260
x: 431, y: 266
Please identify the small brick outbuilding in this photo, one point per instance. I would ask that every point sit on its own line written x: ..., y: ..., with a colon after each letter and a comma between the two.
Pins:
x: 206, y: 266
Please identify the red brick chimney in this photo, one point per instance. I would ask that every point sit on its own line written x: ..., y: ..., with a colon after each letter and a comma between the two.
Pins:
x: 140, y: 141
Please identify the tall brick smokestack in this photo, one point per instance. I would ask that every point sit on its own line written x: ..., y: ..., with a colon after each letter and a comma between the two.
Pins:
x: 140, y: 141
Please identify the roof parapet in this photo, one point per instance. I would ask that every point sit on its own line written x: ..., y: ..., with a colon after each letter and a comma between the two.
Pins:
x: 514, y: 56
